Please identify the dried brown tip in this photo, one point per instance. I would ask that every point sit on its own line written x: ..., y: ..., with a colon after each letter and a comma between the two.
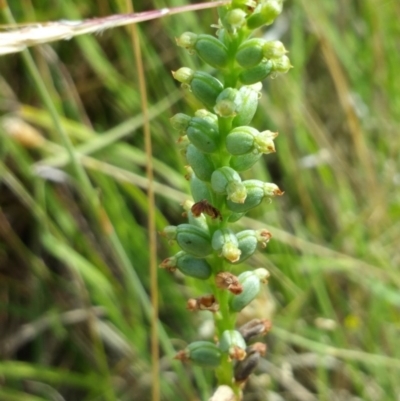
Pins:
x: 192, y: 305
x: 259, y: 348
x: 205, y: 302
x: 263, y: 237
x: 182, y: 356
x: 168, y: 265
x: 237, y: 353
x: 228, y: 281
x: 22, y: 132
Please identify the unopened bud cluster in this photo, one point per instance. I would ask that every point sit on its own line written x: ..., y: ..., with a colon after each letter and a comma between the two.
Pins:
x: 218, y: 145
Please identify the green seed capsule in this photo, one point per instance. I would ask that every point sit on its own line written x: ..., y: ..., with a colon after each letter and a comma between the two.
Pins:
x: 264, y: 14
x: 250, y: 95
x: 201, y: 163
x: 207, y: 47
x: 250, y: 52
x: 200, y: 190
x: 247, y: 242
x: 203, y: 134
x: 256, y: 192
x: 251, y: 287
x: 211, y: 50
x: 244, y: 162
x: 256, y: 74
x: 230, y: 339
x: 225, y: 242
x: 241, y: 140
x: 206, y: 88
x: 193, y: 267
x: 204, y: 353
x: 193, y: 240
x: 228, y: 103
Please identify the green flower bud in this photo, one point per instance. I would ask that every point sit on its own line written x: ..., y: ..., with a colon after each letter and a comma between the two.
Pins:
x: 187, y: 40
x: 201, y: 164
x: 256, y: 192
x: 232, y: 342
x: 244, y: 162
x: 250, y: 95
x: 235, y: 19
x: 207, y: 115
x: 204, y: 86
x: 180, y: 122
x: 256, y: 73
x: 184, y: 75
x: 264, y: 14
x: 200, y: 190
x: 193, y: 240
x: 188, y: 265
x: 225, y: 242
x: 250, y: 52
x: 247, y: 244
x: 226, y: 180
x: 281, y: 65
x: 208, y: 48
x: 242, y: 140
x: 251, y: 287
x: 273, y: 49
x: 228, y: 103
x: 262, y: 274
x: 202, y: 353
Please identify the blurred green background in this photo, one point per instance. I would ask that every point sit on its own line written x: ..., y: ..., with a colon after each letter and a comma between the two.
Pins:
x: 74, y: 276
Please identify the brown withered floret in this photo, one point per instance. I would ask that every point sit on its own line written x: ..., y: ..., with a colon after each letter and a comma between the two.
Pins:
x: 205, y: 207
x: 228, y: 281
x: 204, y: 302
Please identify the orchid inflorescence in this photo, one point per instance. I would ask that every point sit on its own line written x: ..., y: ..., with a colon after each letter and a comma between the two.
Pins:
x: 219, y: 144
